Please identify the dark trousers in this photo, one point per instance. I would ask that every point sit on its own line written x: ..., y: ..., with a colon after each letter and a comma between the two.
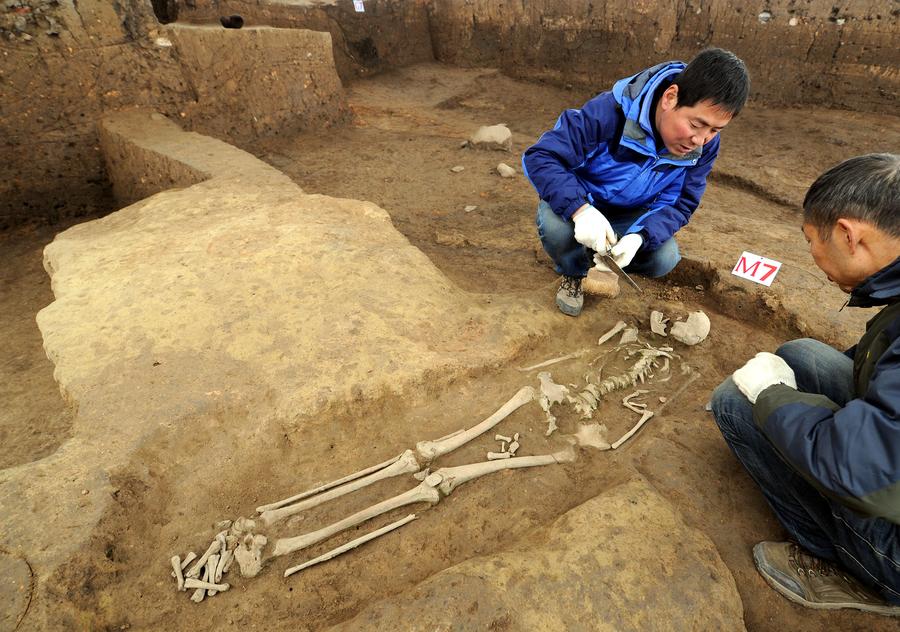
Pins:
x: 869, y: 548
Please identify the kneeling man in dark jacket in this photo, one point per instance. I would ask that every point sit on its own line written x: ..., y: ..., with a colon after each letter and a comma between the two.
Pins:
x: 819, y: 430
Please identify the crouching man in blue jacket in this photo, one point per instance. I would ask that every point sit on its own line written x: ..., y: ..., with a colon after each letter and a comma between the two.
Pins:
x: 819, y: 430
x: 632, y: 162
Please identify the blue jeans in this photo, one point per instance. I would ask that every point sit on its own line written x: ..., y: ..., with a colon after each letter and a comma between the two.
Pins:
x: 572, y: 259
x: 869, y: 548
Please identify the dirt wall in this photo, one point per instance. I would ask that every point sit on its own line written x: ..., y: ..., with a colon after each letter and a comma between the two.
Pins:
x: 386, y: 34
x: 67, y: 63
x: 839, y: 54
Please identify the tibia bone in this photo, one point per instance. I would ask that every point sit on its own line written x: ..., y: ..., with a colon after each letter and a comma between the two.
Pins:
x: 423, y: 492
x: 405, y: 464
x: 326, y: 486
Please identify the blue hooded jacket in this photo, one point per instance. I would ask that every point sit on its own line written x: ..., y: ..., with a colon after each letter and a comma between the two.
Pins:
x: 605, y: 154
x: 852, y: 452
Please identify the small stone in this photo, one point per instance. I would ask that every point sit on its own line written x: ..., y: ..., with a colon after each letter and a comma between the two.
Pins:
x: 764, y: 16
x: 662, y: 400
x: 26, y: 37
x: 698, y: 287
x: 492, y: 137
x: 457, y: 168
x: 793, y: 22
x: 840, y: 21
x: 85, y: 492
x: 505, y: 170
x: 470, y: 208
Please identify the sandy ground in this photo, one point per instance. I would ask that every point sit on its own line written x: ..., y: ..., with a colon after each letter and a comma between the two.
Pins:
x: 398, y: 153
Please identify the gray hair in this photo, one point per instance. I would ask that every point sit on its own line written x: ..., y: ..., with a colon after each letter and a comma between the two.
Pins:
x: 864, y: 187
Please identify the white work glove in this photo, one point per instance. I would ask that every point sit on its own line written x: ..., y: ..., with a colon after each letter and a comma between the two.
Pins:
x: 592, y: 229
x: 622, y: 253
x: 762, y: 371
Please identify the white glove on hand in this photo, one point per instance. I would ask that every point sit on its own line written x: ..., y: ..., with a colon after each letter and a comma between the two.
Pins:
x: 622, y: 253
x: 761, y: 372
x: 592, y: 229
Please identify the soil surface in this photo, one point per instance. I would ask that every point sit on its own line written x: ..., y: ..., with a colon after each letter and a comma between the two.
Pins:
x: 398, y: 152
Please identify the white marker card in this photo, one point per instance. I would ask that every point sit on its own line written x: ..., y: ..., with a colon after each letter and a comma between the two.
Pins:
x: 359, y: 6
x: 757, y: 269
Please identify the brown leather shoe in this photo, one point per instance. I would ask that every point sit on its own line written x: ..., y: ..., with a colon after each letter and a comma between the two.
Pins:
x: 813, y: 582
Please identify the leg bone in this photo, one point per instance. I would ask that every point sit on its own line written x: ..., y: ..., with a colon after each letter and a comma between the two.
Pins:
x: 405, y: 464
x: 327, y: 486
x: 430, y: 450
x: 453, y: 477
x: 423, y: 492
x: 350, y: 545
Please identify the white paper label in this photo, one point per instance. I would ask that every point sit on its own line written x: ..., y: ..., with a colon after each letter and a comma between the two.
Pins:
x: 757, y: 269
x: 359, y: 6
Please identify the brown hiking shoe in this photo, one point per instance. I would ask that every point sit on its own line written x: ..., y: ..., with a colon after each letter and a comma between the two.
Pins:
x: 813, y: 582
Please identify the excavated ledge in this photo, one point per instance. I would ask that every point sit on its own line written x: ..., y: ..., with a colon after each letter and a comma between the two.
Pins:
x: 238, y: 295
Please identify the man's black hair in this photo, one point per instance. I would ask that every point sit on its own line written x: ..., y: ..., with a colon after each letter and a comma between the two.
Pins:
x: 715, y: 75
x: 865, y: 188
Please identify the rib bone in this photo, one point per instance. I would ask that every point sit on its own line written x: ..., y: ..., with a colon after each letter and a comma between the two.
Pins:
x: 352, y: 544
x: 430, y: 450
x: 644, y: 417
x: 405, y: 464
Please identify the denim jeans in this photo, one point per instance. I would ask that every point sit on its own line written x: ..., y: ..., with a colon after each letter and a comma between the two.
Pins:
x: 869, y: 548
x: 572, y: 259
